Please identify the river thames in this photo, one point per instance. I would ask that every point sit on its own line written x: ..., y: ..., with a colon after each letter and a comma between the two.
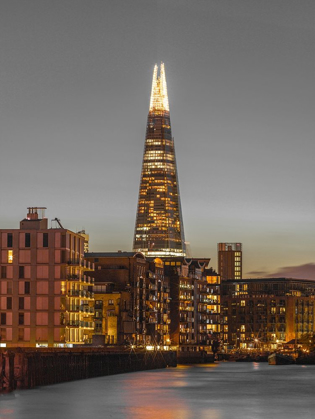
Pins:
x: 220, y: 391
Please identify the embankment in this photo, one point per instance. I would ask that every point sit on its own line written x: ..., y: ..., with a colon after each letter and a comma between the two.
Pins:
x: 27, y: 368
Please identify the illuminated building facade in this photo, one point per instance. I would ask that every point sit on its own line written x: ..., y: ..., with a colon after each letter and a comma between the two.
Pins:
x: 213, y: 302
x: 45, y: 289
x: 144, y: 317
x: 230, y: 260
x: 266, y: 313
x: 191, y: 325
x: 159, y: 229
x: 107, y: 314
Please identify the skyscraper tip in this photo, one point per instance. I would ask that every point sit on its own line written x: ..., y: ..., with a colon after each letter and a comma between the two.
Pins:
x: 159, y: 96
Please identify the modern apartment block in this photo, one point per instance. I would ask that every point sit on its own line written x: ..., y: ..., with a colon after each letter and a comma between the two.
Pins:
x: 230, y: 260
x: 190, y: 301
x: 159, y: 228
x: 266, y: 313
x: 45, y: 294
x: 144, y: 317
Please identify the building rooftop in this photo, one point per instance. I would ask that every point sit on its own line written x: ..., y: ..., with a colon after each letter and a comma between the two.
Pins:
x: 257, y: 280
x: 113, y: 255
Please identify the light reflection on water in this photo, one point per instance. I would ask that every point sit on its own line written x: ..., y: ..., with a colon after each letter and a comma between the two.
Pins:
x: 224, y: 391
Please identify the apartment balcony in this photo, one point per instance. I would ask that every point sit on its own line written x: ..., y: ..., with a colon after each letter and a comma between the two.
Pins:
x: 74, y: 262
x: 88, y: 280
x: 87, y: 265
x: 87, y: 310
x: 203, y: 310
x: 187, y: 287
x: 75, y: 293
x: 81, y: 294
x: 86, y: 325
x: 186, y: 297
x: 73, y: 277
x: 73, y: 323
x: 186, y: 330
x: 74, y: 308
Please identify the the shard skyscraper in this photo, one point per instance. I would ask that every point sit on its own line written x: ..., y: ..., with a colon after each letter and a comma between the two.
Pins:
x: 159, y: 228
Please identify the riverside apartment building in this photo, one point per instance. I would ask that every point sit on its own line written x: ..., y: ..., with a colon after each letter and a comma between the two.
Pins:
x: 46, y: 297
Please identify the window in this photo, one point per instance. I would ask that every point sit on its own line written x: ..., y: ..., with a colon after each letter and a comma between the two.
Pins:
x: 21, y: 303
x: 21, y: 318
x: 3, y: 334
x: 3, y: 272
x: 45, y: 240
x: 27, y: 239
x: 27, y: 287
x: 10, y: 256
x: 110, y: 302
x: 21, y: 271
x: 3, y: 318
x: 9, y: 287
x: 9, y: 303
x: 21, y: 334
x: 63, y: 240
x: 10, y: 240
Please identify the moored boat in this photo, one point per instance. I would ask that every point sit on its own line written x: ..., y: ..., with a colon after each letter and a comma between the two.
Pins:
x: 279, y: 359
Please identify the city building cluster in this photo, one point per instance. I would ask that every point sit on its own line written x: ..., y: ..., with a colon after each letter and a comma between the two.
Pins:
x: 54, y: 292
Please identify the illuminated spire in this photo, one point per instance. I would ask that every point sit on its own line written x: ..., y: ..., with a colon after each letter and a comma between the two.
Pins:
x: 159, y: 98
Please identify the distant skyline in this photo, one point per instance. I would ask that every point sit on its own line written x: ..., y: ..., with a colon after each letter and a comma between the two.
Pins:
x: 75, y: 80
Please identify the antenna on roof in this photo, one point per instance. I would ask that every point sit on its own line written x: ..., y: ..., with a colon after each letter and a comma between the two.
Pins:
x: 57, y: 220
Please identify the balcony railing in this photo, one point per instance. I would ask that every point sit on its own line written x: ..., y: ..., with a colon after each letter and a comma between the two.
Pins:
x: 73, y: 323
x: 73, y: 262
x: 81, y: 293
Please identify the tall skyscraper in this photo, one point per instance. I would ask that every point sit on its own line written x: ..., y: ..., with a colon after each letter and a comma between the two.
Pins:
x: 159, y: 228
x: 230, y: 260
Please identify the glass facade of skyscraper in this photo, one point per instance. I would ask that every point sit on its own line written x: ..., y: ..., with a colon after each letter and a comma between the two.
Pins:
x: 159, y: 228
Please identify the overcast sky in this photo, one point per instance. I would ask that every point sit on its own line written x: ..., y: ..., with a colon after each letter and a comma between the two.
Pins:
x: 75, y: 80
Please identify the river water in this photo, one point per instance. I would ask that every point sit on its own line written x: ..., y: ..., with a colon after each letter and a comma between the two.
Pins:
x: 220, y: 391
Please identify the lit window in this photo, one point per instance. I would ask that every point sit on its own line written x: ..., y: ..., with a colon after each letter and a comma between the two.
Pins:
x: 10, y: 256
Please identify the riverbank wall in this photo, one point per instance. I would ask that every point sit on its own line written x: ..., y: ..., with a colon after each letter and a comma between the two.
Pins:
x: 28, y: 368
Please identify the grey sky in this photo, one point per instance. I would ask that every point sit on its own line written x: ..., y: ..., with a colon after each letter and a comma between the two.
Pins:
x: 75, y: 79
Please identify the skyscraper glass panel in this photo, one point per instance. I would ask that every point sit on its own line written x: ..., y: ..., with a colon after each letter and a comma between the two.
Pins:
x: 159, y: 227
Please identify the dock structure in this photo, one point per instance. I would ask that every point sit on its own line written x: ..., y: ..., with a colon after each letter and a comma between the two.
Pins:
x: 28, y: 368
